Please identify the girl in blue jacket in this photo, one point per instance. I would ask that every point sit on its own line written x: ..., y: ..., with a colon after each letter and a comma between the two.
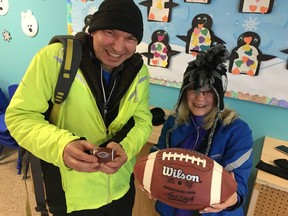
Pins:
x: 202, y: 123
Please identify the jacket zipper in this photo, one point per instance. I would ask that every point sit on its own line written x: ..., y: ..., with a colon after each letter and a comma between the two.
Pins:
x: 106, y: 102
x: 197, y: 138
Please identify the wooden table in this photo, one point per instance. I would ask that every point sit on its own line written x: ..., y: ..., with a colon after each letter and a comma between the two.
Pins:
x: 270, y: 192
x: 144, y: 206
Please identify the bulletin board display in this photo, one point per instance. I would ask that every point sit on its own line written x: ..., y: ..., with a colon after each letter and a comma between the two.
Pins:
x: 254, y: 31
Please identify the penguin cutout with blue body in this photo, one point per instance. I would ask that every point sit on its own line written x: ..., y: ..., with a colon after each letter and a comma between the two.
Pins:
x: 159, y: 51
x: 159, y: 10
x: 285, y: 51
x: 200, y: 37
x: 246, y: 57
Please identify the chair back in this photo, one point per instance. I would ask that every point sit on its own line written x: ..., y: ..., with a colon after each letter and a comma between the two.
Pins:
x: 3, y: 102
x: 11, y: 90
x: 5, y: 138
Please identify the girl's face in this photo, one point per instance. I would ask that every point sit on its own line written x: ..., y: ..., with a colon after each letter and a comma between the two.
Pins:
x: 112, y: 47
x: 200, y: 102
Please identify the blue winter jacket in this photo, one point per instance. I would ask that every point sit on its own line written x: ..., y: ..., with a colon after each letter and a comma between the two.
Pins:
x: 231, y: 147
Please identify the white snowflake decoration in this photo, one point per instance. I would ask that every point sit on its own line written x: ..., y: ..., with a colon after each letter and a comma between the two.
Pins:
x: 7, y: 36
x: 92, y: 10
x: 251, y: 24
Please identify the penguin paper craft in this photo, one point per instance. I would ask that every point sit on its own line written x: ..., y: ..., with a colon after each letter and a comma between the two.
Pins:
x: 246, y: 57
x: 256, y: 6
x: 159, y: 10
x: 159, y: 51
x: 200, y: 37
x: 198, y: 1
x: 285, y: 51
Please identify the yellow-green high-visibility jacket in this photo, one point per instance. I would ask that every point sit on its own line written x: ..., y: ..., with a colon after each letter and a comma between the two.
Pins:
x: 80, y: 115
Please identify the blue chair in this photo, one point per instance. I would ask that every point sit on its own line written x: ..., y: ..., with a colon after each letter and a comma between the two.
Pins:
x: 5, y: 138
x: 3, y: 102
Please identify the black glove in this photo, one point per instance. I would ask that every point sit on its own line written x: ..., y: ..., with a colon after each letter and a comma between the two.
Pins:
x: 274, y: 170
x: 283, y: 163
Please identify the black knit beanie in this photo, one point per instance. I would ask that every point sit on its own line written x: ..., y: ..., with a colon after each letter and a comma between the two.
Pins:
x: 122, y: 15
x: 208, y: 70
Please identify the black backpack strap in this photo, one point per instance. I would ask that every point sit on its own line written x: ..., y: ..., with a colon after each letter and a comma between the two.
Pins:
x: 71, y: 62
x: 38, y: 186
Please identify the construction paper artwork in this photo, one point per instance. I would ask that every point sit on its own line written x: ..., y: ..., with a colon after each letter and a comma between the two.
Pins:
x: 256, y: 6
x: 159, y: 10
x: 246, y: 57
x: 286, y: 52
x: 29, y: 23
x: 176, y: 30
x: 4, y: 7
x: 6, y: 35
x: 201, y: 36
x: 198, y: 1
x: 159, y: 51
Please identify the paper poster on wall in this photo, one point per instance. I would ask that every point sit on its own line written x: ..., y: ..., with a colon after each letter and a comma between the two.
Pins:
x: 246, y: 58
x: 6, y: 35
x: 159, y: 51
x: 285, y: 51
x: 256, y: 6
x: 4, y: 7
x: 256, y: 70
x: 200, y: 36
x: 159, y: 10
x: 29, y: 23
x: 198, y: 1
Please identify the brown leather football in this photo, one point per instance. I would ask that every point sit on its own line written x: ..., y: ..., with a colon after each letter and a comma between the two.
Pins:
x: 184, y: 178
x: 103, y: 154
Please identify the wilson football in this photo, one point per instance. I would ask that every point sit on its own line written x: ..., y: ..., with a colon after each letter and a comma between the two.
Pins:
x: 184, y: 179
x: 103, y: 154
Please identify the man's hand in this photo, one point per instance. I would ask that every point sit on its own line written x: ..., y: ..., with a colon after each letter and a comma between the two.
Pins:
x: 75, y: 158
x: 115, y: 165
